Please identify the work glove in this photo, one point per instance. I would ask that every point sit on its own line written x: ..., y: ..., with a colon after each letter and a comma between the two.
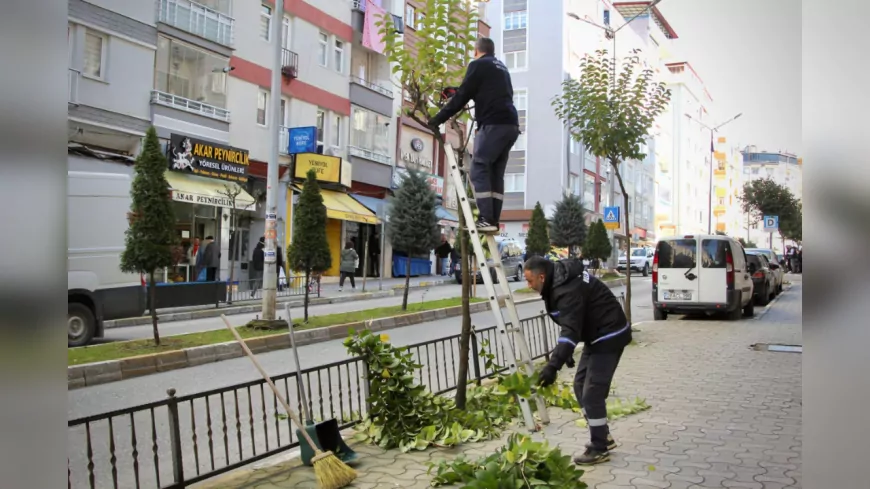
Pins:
x: 563, y: 354
x: 547, y: 376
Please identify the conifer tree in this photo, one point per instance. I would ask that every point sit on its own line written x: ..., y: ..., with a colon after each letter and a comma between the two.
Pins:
x: 568, y: 226
x: 538, y: 240
x: 309, y: 249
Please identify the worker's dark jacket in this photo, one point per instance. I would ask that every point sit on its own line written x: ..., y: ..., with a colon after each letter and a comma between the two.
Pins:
x: 585, y: 308
x: 488, y: 83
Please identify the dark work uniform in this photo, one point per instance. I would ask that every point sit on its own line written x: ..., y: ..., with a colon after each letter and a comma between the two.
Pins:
x: 488, y: 83
x: 587, y: 312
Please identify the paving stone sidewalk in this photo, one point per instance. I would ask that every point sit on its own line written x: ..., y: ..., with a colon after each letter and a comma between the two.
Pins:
x: 723, y: 415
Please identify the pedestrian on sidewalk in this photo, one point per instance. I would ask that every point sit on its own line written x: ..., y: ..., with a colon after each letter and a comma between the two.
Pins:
x: 257, y: 259
x: 587, y: 312
x: 487, y: 82
x: 211, y: 259
x: 443, y: 253
x: 347, y: 266
x: 375, y: 254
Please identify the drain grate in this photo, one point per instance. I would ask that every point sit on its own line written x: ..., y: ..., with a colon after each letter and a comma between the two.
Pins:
x: 778, y: 348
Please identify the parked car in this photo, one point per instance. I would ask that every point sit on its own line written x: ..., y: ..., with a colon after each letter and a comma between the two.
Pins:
x: 775, y: 264
x: 641, y: 260
x: 763, y: 278
x: 512, y: 254
x: 701, y: 274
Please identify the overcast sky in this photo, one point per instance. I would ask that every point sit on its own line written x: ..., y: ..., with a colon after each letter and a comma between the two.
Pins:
x: 748, y: 52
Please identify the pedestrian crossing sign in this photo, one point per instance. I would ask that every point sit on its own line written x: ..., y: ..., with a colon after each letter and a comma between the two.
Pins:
x: 611, y: 217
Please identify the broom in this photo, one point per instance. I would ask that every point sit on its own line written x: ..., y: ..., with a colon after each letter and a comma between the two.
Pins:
x: 331, y: 472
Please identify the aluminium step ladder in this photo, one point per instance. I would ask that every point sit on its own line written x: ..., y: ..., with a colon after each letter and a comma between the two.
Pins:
x: 508, y: 335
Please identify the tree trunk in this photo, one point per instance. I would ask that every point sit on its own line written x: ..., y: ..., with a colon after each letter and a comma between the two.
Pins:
x: 152, y: 289
x: 307, y: 291
x: 465, y: 335
x: 628, y: 248
x: 407, y: 282
x: 365, y: 269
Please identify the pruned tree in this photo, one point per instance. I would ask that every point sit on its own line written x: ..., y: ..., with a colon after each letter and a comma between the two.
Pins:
x: 538, y: 239
x: 568, y: 226
x: 413, y: 221
x: 309, y: 249
x: 612, y: 114
x: 746, y: 244
x: 424, y: 68
x: 765, y: 197
x: 597, y: 247
x: 151, y: 236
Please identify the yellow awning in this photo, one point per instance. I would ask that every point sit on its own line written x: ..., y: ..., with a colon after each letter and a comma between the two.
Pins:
x: 343, y: 207
x: 199, y: 190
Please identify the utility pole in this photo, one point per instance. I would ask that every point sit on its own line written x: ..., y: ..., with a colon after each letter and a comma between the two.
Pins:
x: 270, y: 259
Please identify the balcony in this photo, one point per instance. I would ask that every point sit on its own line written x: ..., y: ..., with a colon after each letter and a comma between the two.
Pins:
x: 73, y: 78
x: 719, y: 210
x: 371, y: 96
x: 188, y: 105
x: 369, y: 155
x: 289, y: 64
x: 197, y: 19
x: 386, y: 92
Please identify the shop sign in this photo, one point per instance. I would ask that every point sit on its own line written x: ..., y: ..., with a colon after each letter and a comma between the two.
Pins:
x: 207, y: 159
x: 415, y: 152
x: 327, y: 168
x: 435, y: 182
x: 302, y: 140
x: 212, y: 200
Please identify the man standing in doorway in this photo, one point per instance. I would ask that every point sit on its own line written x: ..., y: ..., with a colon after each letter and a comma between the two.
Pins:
x: 587, y: 312
x: 488, y: 83
x: 443, y: 253
x: 211, y: 259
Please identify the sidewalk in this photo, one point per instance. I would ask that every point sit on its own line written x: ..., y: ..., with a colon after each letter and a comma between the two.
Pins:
x: 723, y: 415
x: 329, y: 294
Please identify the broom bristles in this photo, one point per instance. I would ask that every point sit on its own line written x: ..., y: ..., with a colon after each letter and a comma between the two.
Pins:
x: 331, y: 472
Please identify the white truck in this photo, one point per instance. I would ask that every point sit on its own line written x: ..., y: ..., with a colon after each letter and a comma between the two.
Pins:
x: 97, y: 207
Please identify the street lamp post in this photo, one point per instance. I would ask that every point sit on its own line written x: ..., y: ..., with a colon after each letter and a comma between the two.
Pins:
x: 710, y: 183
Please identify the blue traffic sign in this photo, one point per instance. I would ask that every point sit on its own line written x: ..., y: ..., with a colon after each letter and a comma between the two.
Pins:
x: 302, y: 140
x: 611, y: 217
x: 771, y: 223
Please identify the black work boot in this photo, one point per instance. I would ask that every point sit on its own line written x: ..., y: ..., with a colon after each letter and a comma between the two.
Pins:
x: 592, y: 456
x: 611, y: 443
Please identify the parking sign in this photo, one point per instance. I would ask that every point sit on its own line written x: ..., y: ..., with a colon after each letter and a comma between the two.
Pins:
x: 771, y: 223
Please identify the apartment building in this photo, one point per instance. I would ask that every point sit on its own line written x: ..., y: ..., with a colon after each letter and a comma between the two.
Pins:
x: 728, y: 217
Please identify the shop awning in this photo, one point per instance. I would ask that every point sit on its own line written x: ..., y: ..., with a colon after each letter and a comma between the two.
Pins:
x: 343, y: 207
x: 199, y: 190
x: 378, y: 206
x: 445, y: 215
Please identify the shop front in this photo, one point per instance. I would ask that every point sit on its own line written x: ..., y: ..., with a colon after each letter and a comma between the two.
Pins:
x: 347, y: 219
x: 209, y: 188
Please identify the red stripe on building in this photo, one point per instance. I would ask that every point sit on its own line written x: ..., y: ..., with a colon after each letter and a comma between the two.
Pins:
x: 261, y: 76
x: 313, y: 15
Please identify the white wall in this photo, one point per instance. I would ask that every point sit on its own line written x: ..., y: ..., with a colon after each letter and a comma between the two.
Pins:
x: 305, y: 43
x: 128, y: 73
x: 143, y: 11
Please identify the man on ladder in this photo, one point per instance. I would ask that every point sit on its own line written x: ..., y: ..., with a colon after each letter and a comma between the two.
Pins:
x: 588, y: 312
x: 488, y: 83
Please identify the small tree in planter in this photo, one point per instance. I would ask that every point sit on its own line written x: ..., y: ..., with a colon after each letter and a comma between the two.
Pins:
x: 597, y: 247
x: 309, y: 250
x: 538, y: 240
x: 568, y: 227
x: 612, y: 114
x: 151, y: 236
x: 413, y: 223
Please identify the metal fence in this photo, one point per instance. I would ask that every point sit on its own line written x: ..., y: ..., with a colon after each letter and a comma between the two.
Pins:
x: 247, y: 290
x: 182, y: 440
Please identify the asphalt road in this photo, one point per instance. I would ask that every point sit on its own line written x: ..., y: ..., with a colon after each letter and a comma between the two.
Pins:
x: 207, y: 324
x: 221, y: 429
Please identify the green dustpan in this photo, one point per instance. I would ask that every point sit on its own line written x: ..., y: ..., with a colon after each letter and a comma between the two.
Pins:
x: 326, y: 434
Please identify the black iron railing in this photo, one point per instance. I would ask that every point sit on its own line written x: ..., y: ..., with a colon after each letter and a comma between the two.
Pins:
x: 246, y: 290
x: 182, y: 440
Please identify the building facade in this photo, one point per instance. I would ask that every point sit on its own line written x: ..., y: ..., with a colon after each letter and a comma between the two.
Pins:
x: 784, y: 168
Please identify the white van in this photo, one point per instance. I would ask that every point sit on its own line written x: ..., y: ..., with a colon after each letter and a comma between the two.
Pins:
x: 97, y: 206
x: 701, y: 274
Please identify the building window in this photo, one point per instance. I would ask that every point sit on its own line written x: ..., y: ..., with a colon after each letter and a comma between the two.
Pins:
x: 369, y: 131
x: 95, y: 54
x: 588, y: 192
x: 410, y: 16
x: 575, y: 146
x: 516, y: 20
x: 262, y: 104
x: 520, y: 144
x: 321, y: 125
x: 338, y: 51
x: 335, y: 137
x: 323, y: 48
x: 515, y: 182
x: 574, y: 183
x: 265, y: 22
x: 515, y: 61
x: 189, y: 72
x: 420, y: 18
x: 283, y: 120
x: 589, y: 162
x: 285, y: 33
x: 521, y: 99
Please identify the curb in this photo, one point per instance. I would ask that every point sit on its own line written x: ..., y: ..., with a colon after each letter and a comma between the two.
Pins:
x: 90, y: 374
x: 256, y: 306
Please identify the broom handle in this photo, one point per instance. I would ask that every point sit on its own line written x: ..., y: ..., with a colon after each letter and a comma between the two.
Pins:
x: 268, y: 380
x: 305, y: 410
